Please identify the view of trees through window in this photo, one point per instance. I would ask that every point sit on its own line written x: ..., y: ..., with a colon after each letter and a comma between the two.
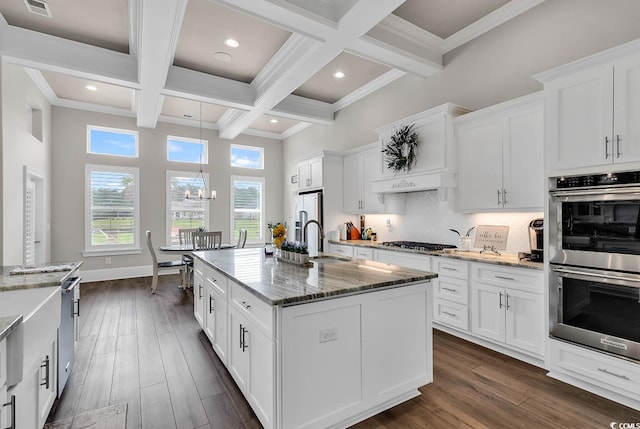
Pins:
x: 248, y: 206
x: 186, y: 212
x: 113, y: 196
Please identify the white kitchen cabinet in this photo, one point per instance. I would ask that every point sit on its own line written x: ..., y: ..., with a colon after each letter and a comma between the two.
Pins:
x: 500, y: 156
x: 361, y: 168
x: 451, y: 293
x: 592, y: 109
x: 310, y: 173
x: 403, y: 259
x: 215, y: 312
x: 363, y: 253
x: 507, y: 307
x: 5, y: 402
x: 341, y: 249
x: 199, y: 292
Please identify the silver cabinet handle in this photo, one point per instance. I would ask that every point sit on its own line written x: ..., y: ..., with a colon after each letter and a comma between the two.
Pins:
x: 245, y: 305
x: 448, y: 289
x: 618, y: 145
x: 448, y: 269
x: 12, y: 406
x: 507, y: 301
x: 500, y: 303
x: 505, y: 278
x: 606, y: 147
x: 46, y: 366
x: 199, y: 291
x: 243, y: 341
x: 499, y: 203
x: 211, y: 301
x: 77, y: 301
x: 449, y: 314
x: 624, y: 377
x: 504, y: 197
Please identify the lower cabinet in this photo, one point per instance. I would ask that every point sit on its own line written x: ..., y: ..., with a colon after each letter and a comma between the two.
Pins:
x: 341, y: 249
x: 451, y: 293
x: 199, y: 292
x: 416, y: 261
x: 215, y: 312
x: 508, y: 307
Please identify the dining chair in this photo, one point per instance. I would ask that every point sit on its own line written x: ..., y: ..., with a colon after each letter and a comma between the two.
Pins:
x: 211, y: 240
x: 242, y: 238
x: 160, y: 265
x: 185, y: 238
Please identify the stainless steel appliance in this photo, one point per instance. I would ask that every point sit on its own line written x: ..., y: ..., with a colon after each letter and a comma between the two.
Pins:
x: 594, y: 255
x: 70, y: 309
x: 308, y: 207
x: 418, y: 245
x: 536, y: 240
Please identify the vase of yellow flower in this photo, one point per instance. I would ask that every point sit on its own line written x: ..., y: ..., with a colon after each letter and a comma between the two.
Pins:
x: 278, y: 232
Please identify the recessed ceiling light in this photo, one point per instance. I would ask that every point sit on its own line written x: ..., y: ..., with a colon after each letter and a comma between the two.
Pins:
x: 222, y: 56
x: 232, y: 43
x: 274, y: 121
x: 339, y: 75
x: 91, y: 88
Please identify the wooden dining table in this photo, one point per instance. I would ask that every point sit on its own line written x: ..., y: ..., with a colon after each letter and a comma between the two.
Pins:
x: 186, y: 250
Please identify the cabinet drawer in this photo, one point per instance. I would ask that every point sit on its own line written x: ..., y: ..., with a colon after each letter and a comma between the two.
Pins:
x: 199, y: 267
x: 363, y: 253
x: 217, y: 281
x: 257, y: 311
x: 403, y: 259
x: 341, y: 250
x: 455, y: 290
x: 515, y: 278
x: 451, y: 313
x: 610, y: 372
x: 451, y: 268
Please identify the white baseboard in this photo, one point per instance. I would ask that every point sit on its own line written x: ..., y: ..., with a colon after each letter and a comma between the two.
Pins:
x: 120, y: 273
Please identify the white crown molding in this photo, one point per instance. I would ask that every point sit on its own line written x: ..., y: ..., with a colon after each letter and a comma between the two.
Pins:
x: 368, y: 88
x: 135, y: 24
x: 187, y: 122
x: 91, y: 107
x: 295, y: 129
x: 402, y: 29
x: 488, y: 22
x: 42, y: 84
x: 263, y: 134
x: 304, y: 109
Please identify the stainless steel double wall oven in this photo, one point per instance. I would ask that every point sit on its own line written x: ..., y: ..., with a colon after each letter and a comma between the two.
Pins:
x: 594, y: 256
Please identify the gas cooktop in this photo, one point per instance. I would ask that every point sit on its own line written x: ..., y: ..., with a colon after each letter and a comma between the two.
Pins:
x: 417, y: 245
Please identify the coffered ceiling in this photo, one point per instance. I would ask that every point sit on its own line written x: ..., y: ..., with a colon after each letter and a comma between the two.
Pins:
x: 167, y: 60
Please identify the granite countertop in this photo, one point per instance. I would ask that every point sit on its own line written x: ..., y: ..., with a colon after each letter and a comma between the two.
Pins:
x: 504, y: 259
x: 28, y: 281
x: 8, y: 324
x: 280, y: 283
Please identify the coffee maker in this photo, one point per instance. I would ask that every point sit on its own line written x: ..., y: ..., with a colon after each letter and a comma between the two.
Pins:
x: 536, y: 234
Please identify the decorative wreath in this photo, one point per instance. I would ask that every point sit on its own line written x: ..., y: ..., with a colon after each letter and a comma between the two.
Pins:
x: 400, y: 151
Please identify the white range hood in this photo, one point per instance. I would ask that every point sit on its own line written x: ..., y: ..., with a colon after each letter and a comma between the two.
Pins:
x: 414, y: 183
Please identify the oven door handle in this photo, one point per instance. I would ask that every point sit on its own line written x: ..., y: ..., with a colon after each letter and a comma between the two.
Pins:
x: 605, y: 277
x: 596, y: 191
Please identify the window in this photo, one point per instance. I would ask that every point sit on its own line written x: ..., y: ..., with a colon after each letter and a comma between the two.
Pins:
x: 247, y: 157
x: 112, y: 209
x: 183, y: 212
x: 182, y: 149
x: 247, y: 207
x: 111, y: 141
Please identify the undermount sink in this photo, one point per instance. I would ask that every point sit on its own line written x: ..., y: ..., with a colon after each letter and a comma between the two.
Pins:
x: 328, y: 259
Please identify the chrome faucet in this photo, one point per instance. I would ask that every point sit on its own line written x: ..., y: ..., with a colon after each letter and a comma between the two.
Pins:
x: 304, y: 231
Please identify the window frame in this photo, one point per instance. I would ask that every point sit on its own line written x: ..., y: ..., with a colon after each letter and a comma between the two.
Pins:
x: 116, y: 249
x: 254, y: 148
x: 134, y: 133
x: 207, y: 209
x: 204, y: 152
x: 263, y: 225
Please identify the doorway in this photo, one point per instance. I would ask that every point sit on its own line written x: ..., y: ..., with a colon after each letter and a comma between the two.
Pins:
x: 34, y: 236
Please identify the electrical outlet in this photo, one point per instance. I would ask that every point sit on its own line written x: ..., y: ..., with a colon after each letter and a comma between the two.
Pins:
x: 329, y: 334
x: 107, y: 260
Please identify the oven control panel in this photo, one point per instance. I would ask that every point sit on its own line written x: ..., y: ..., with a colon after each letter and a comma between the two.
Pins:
x: 594, y: 180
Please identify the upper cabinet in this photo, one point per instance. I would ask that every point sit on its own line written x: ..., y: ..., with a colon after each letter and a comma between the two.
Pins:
x: 500, y: 154
x: 361, y: 168
x: 310, y: 173
x: 592, y: 110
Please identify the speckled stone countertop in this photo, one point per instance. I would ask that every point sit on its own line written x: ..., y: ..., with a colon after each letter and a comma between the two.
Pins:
x: 8, y: 324
x: 504, y: 259
x: 280, y: 283
x: 28, y: 281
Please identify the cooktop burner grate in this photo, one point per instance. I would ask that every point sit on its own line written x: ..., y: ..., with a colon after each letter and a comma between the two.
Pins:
x: 417, y: 245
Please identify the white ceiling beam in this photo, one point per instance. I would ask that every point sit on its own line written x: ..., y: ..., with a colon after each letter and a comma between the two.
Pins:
x: 159, y: 23
x: 41, y: 51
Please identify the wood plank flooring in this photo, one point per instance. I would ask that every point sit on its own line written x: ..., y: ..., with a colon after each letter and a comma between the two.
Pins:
x: 148, y: 350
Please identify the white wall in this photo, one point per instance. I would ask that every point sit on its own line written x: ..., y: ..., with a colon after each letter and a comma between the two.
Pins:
x: 20, y: 149
x: 495, y: 67
x: 69, y: 158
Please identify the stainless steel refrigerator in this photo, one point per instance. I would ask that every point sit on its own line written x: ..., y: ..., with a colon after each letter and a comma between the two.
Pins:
x: 309, y: 207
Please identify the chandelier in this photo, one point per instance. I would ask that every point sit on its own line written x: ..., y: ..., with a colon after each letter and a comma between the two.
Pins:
x: 203, y: 194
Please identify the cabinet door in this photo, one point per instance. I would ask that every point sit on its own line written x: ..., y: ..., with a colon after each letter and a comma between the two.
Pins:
x: 304, y: 180
x: 522, y: 157
x: 352, y: 197
x: 525, y: 321
x: 47, y: 388
x: 238, y: 356
x: 487, y: 309
x: 199, y: 297
x: 480, y: 165
x: 370, y: 172
x: 580, y: 119
x: 220, y: 330
x: 626, y: 133
x: 261, y: 383
x: 209, y: 315
x: 315, y: 172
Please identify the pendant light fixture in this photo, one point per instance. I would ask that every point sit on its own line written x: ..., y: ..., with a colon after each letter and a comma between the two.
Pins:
x: 202, y: 194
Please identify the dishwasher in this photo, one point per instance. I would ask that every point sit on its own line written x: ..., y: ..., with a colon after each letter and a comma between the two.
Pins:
x: 70, y: 309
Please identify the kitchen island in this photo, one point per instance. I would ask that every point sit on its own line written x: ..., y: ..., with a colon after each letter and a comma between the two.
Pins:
x: 323, y: 346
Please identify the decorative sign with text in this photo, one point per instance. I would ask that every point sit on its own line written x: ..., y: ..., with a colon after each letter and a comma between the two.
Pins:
x: 492, y: 237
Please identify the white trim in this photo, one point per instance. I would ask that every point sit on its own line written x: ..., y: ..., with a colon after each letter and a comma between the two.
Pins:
x: 295, y: 129
x: 134, y: 133
x: 368, y: 88
x: 263, y: 199
x: 204, y: 151
x: 188, y: 174
x: 114, y: 252
x: 246, y: 147
x: 104, y: 274
x: 135, y: 172
x: 42, y: 84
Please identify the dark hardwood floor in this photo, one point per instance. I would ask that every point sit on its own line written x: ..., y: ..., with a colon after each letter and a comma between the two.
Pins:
x: 148, y: 350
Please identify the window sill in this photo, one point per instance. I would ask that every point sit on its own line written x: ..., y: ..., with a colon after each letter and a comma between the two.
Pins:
x: 112, y: 252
